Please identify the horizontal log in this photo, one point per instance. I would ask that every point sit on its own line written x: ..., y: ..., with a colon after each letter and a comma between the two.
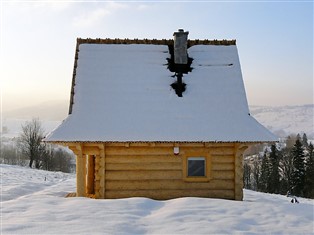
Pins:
x: 160, y: 144
x: 140, y: 144
x: 142, y: 159
x: 167, y: 184
x: 222, y: 159
x: 146, y: 150
x: 139, y: 151
x: 170, y: 194
x: 155, y: 144
x: 226, y: 175
x: 222, y: 166
x: 143, y: 175
x: 222, y: 151
x: 144, y: 166
x: 91, y: 150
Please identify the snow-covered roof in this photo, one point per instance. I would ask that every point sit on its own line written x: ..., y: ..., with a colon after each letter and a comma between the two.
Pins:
x: 122, y: 93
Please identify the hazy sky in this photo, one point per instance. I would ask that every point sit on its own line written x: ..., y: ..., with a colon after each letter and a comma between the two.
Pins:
x: 274, y: 40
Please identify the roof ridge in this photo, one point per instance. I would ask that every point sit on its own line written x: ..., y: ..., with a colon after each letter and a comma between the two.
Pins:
x: 223, y: 42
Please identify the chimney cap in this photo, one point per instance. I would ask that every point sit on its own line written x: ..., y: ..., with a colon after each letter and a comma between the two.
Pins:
x: 180, y: 32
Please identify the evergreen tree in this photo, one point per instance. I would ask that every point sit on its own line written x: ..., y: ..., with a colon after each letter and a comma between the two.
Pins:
x: 309, y: 175
x: 247, y: 175
x: 298, y: 174
x: 298, y: 137
x: 256, y: 171
x: 286, y: 169
x: 274, y: 177
x: 265, y: 173
x: 305, y: 141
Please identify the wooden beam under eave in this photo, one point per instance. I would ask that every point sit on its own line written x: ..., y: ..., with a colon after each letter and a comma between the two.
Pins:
x: 238, y: 171
x: 91, y: 150
x: 80, y: 172
x: 102, y: 171
x: 90, y: 174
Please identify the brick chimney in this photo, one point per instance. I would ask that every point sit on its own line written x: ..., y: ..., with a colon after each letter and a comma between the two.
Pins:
x: 180, y: 47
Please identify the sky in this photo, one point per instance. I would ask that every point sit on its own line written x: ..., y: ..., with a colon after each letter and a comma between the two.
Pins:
x: 38, y: 39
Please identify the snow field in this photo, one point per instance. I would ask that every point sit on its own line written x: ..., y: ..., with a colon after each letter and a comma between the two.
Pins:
x: 31, y: 205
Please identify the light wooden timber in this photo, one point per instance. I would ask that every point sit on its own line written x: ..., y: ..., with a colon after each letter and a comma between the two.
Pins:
x: 143, y: 175
x: 170, y: 194
x: 80, y: 172
x: 91, y: 150
x: 168, y: 184
x: 102, y: 171
x: 142, y: 159
x: 138, y: 151
x: 222, y: 151
x: 238, y: 178
x: 226, y: 175
x: 222, y: 166
x: 97, y: 176
x: 223, y: 159
x: 148, y: 166
x: 153, y: 170
x: 147, y: 151
x: 90, y: 174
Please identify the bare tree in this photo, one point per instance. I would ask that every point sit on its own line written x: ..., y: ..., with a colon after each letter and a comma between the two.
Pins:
x: 30, y: 142
x: 11, y: 155
x: 56, y: 159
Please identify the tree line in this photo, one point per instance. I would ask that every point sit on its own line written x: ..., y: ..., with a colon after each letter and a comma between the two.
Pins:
x: 28, y: 149
x: 283, y: 169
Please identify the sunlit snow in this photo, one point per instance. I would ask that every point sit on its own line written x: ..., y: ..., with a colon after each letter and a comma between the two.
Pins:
x: 33, y: 202
x: 123, y: 93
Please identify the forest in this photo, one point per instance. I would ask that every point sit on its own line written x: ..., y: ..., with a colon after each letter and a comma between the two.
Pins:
x: 285, y: 168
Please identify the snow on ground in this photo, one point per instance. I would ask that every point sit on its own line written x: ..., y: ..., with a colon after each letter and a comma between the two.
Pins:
x: 32, y: 205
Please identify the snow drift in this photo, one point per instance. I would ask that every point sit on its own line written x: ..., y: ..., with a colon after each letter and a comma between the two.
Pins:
x: 33, y: 202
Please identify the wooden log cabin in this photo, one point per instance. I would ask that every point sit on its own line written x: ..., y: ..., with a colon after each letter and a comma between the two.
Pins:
x: 158, y: 118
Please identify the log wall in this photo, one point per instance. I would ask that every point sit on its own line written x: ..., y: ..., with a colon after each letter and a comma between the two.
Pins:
x: 154, y: 171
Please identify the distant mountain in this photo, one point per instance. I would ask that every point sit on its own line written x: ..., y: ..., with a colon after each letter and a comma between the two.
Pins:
x: 285, y: 120
x: 55, y: 110
x: 281, y: 120
x: 49, y: 113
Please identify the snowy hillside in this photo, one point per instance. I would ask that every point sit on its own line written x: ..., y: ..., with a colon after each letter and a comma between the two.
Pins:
x: 33, y: 203
x: 285, y: 120
x: 282, y: 120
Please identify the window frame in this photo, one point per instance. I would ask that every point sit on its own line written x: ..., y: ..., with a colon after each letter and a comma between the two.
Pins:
x: 200, y: 159
x: 197, y: 154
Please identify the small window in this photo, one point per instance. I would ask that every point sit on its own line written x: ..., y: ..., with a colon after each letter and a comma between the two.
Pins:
x: 196, y: 166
